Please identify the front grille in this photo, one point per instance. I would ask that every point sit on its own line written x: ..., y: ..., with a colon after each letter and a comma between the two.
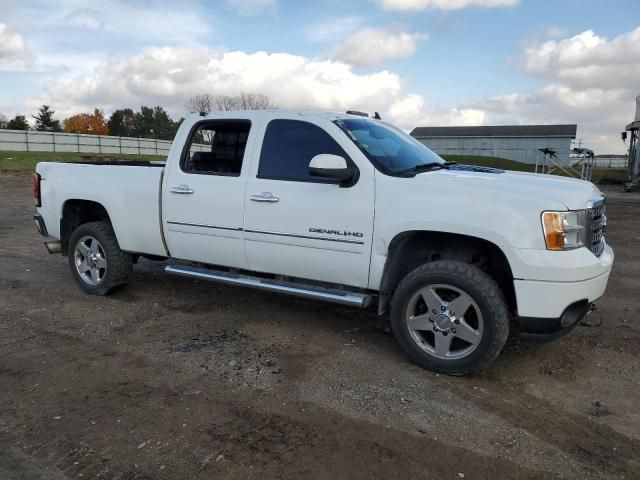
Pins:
x: 597, y: 227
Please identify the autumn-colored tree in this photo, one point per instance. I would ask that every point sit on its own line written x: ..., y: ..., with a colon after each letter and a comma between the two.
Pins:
x: 76, y: 123
x: 91, y: 123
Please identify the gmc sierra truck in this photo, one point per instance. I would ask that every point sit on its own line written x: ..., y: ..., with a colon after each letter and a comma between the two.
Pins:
x: 344, y: 208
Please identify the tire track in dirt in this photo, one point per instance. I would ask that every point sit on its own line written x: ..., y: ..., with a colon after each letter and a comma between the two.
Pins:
x: 596, y: 445
x: 263, y: 437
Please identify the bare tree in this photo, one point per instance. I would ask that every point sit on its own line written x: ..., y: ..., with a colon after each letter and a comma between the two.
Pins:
x: 226, y: 102
x: 254, y: 101
x: 200, y: 103
x: 245, y: 101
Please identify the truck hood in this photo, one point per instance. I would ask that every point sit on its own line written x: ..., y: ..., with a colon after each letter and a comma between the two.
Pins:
x: 544, y: 191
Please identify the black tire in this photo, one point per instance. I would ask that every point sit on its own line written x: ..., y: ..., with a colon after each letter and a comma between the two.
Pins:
x: 488, y: 298
x: 118, y: 263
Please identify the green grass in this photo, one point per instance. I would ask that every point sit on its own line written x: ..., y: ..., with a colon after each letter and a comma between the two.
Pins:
x: 599, y: 175
x: 26, y: 161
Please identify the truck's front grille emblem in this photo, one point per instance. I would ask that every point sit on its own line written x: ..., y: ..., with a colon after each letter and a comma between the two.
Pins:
x: 598, y: 227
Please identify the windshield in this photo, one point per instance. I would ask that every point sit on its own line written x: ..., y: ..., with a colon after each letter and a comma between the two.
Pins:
x: 389, y: 148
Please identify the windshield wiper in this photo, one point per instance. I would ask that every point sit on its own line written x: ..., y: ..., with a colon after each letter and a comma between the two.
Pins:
x: 426, y: 167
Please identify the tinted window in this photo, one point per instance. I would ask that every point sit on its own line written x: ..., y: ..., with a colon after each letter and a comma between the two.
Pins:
x: 389, y: 148
x: 217, y: 148
x: 289, y: 146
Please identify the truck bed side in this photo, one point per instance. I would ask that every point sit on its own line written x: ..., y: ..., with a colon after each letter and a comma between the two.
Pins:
x: 129, y: 194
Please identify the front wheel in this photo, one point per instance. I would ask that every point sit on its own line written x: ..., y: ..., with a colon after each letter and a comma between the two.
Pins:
x: 450, y: 317
x: 95, y: 259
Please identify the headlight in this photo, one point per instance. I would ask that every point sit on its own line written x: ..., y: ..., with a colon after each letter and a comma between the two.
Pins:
x: 565, y: 230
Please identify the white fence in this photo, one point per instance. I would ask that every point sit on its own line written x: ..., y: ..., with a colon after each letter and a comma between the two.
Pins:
x: 611, y: 161
x: 33, y: 141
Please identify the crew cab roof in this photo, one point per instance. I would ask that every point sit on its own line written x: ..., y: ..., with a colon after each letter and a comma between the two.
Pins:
x: 331, y: 115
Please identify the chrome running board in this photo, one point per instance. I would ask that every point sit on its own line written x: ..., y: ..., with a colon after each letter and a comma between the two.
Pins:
x: 297, y: 289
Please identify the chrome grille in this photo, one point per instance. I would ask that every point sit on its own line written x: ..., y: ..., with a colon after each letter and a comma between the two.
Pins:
x: 597, y: 227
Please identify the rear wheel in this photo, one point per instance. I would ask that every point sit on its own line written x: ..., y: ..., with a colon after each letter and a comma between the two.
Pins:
x: 95, y: 259
x: 450, y: 317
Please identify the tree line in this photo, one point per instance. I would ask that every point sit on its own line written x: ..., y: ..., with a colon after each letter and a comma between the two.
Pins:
x: 148, y: 122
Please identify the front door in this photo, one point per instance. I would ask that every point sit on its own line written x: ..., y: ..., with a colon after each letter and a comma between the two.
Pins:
x: 203, y: 199
x: 303, y: 226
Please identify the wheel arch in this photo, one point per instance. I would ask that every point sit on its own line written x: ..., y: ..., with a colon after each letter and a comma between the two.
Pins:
x: 76, y: 212
x: 410, y: 249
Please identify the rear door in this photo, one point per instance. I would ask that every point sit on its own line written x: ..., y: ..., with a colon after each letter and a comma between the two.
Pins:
x: 203, y: 197
x: 299, y: 225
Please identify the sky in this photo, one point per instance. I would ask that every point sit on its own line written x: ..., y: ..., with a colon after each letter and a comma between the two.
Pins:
x: 417, y: 62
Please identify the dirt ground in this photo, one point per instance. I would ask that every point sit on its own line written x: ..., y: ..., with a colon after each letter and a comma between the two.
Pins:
x: 177, y: 379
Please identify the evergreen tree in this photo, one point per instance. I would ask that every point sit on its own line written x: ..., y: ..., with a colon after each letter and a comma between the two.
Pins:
x: 155, y: 123
x: 45, y: 121
x: 122, y: 123
x: 19, y: 122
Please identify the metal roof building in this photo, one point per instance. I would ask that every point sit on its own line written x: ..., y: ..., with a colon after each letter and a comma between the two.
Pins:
x: 521, y: 143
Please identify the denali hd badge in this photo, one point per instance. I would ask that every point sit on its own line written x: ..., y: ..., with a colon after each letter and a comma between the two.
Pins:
x: 342, y: 233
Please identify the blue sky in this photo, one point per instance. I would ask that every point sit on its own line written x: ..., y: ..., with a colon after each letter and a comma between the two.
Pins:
x: 419, y: 62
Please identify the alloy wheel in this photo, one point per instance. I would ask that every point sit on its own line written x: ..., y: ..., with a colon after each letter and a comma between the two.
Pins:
x: 444, y: 321
x: 90, y: 260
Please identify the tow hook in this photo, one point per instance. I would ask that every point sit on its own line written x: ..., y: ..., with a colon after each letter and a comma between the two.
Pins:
x: 586, y: 320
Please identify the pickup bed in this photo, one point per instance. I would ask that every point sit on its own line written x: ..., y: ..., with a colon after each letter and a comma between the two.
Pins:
x: 343, y: 208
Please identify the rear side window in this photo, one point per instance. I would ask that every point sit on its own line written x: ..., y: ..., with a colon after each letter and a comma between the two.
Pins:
x: 217, y: 148
x: 289, y: 146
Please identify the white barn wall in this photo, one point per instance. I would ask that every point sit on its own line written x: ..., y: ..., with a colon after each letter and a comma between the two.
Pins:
x: 520, y: 149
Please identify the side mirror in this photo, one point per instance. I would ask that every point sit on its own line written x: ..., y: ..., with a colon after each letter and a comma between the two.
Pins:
x: 326, y: 165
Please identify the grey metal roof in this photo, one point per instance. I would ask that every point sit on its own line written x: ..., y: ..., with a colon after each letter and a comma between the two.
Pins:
x: 568, y: 131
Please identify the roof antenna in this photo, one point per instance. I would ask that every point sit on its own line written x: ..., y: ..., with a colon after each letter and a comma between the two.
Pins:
x: 203, y: 114
x: 376, y: 115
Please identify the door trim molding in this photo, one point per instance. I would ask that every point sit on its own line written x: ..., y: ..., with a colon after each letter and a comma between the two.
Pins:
x: 235, y: 229
x: 310, y: 237
x: 266, y: 232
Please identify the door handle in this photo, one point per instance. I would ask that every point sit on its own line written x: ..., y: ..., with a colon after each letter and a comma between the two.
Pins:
x: 182, y: 189
x: 266, y: 197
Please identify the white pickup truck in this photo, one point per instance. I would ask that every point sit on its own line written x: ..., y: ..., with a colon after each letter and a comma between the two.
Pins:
x: 343, y: 208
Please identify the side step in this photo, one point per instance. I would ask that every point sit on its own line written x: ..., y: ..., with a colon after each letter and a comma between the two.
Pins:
x: 297, y: 289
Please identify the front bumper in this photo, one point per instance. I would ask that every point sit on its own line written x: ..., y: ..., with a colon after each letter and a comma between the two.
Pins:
x: 549, y: 299
x: 546, y: 329
x: 548, y: 308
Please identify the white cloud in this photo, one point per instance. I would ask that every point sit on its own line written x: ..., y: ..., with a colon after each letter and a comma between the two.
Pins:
x: 85, y: 18
x: 168, y: 76
x: 13, y: 52
x: 601, y: 114
x: 11, y: 42
x: 250, y: 7
x: 555, y: 31
x: 370, y: 46
x: 412, y: 111
x: 414, y: 5
x: 332, y: 29
x: 587, y: 80
x: 587, y: 60
x: 146, y: 22
x: 592, y: 81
